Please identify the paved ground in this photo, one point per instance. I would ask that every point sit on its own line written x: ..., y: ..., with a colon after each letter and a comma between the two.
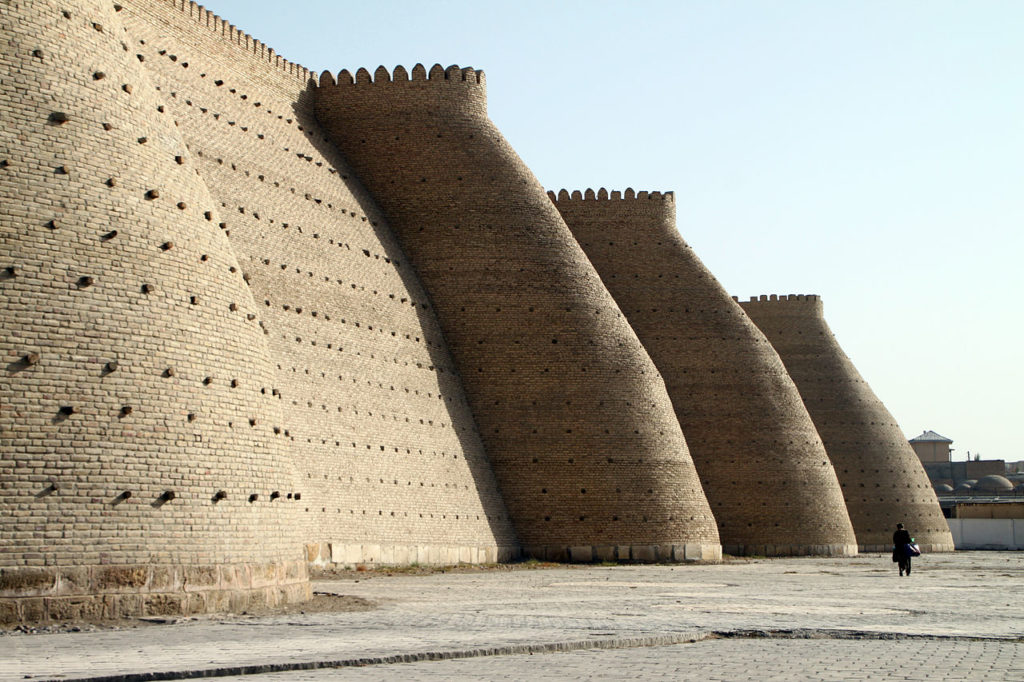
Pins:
x: 958, y: 617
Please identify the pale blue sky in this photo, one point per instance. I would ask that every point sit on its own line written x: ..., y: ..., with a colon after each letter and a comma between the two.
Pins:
x: 867, y: 151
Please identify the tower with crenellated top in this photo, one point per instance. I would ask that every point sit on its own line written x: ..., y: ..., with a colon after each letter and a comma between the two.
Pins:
x: 574, y: 416
x: 882, y: 479
x: 768, y: 480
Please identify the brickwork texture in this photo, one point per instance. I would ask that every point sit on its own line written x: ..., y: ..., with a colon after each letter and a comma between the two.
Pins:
x: 257, y: 319
x: 373, y: 413
x: 140, y: 472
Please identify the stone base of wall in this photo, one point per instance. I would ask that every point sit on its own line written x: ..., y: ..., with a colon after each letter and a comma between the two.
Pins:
x: 647, y: 554
x: 925, y: 549
x: 48, y: 594
x: 790, y: 550
x: 358, y: 554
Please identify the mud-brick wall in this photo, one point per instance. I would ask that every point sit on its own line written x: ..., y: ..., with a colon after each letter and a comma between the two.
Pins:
x: 764, y: 470
x: 882, y: 479
x: 139, y: 468
x: 574, y: 416
x: 390, y: 461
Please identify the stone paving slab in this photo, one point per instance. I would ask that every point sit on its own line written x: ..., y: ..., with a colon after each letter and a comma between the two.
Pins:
x: 728, y: 660
x: 954, y: 597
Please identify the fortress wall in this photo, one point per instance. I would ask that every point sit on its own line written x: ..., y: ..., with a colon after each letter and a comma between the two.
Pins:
x: 391, y: 464
x: 881, y: 477
x: 140, y: 473
x: 764, y: 470
x: 574, y: 416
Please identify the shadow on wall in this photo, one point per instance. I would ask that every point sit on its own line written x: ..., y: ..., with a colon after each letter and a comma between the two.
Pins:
x: 451, y: 383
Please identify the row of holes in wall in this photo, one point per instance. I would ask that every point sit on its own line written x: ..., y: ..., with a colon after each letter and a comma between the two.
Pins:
x: 587, y: 245
x: 887, y: 516
x: 305, y: 156
x: 321, y: 316
x: 927, y: 500
x: 377, y: 447
x: 257, y: 105
x: 151, y: 194
x: 111, y: 366
x: 380, y: 385
x: 547, y: 311
x: 742, y: 341
x: 262, y: 177
x: 170, y: 495
x: 87, y: 281
x: 282, y: 184
x: 373, y: 356
x: 643, y: 519
x: 65, y: 412
x: 306, y: 232
x: 422, y: 515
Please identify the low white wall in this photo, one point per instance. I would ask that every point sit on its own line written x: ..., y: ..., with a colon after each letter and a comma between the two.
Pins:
x: 987, y: 533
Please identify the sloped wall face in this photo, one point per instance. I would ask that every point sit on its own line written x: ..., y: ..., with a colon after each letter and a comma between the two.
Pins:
x: 764, y: 470
x: 574, y: 416
x: 882, y: 479
x: 137, y: 457
x: 391, y: 465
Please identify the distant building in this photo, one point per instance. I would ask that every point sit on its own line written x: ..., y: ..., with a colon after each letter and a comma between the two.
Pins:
x: 936, y: 456
x: 931, y: 447
x: 989, y: 524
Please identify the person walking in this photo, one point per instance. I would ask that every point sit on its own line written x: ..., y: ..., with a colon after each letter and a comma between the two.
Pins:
x: 900, y: 539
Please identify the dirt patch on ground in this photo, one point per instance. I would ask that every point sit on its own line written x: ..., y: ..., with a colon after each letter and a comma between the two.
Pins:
x: 322, y: 602
x: 361, y: 572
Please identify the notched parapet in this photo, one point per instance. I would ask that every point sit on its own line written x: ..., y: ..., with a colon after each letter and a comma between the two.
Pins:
x: 784, y: 298
x: 232, y: 34
x: 452, y: 74
x: 786, y: 304
x: 655, y: 208
x: 602, y: 194
x: 451, y: 89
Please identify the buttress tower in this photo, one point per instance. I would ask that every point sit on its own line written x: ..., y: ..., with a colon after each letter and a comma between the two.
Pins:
x: 770, y: 485
x: 881, y: 477
x: 574, y: 416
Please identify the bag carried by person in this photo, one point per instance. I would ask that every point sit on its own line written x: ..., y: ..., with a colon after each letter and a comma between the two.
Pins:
x: 895, y: 554
x: 912, y: 549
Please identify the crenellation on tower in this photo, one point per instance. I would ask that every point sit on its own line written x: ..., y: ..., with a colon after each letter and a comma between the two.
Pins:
x: 602, y: 194
x: 439, y: 92
x: 785, y: 298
